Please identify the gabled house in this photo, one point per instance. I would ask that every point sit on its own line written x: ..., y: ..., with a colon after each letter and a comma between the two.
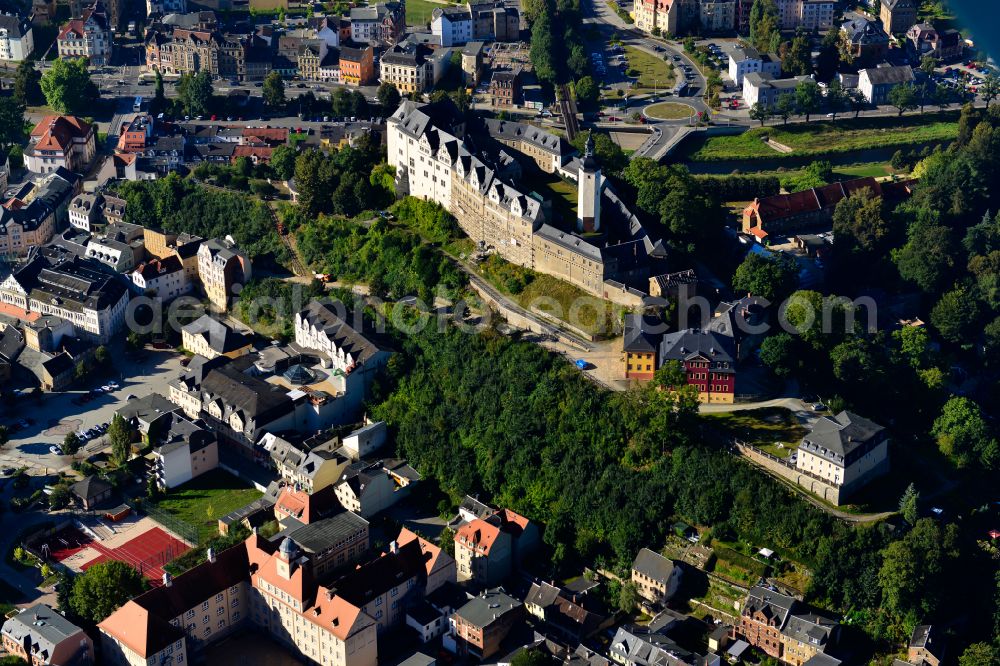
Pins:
x: 569, y: 610
x: 211, y: 338
x: 785, y: 628
x: 370, y: 488
x: 656, y: 578
x: 641, y: 344
x: 60, y: 141
x: 708, y: 359
x: 876, y: 83
x: 42, y: 637
x: 845, y: 450
x: 865, y: 40
x: 762, y: 618
x: 488, y: 549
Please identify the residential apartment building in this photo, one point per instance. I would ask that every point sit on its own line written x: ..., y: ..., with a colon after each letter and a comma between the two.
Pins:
x: 70, y: 288
x: 60, y: 141
x: 759, y: 88
x: 846, y: 450
x: 898, y: 15
x: 184, y: 450
x: 945, y: 45
x: 505, y: 88
x: 408, y: 67
x: 211, y: 338
x: 86, y: 211
x: 162, y: 244
x: 88, y: 36
x: 309, y: 469
x: 189, y: 51
x: 221, y: 266
x: 25, y: 227
x: 640, y: 346
x: 357, y: 65
x: 784, y: 628
x: 478, y: 627
x: 817, y: 14
x: 383, y: 22
x: 162, y: 278
x: 708, y: 359
x: 453, y: 25
x: 638, y: 645
x: 669, y: 17
x: 17, y: 41
x: 717, y: 15
x: 488, y: 549
x: 42, y: 637
x: 319, y: 327
x: 370, y: 488
x: 865, y: 40
x: 876, y: 83
x: 746, y: 59
x: 494, y: 21
x: 115, y: 253
x: 656, y: 578
x: 238, y: 406
x: 164, y: 7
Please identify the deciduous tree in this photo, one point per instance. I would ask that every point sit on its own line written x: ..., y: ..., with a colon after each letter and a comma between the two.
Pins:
x: 102, y: 588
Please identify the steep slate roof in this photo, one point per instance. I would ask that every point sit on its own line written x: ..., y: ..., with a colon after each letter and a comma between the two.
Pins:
x: 888, y: 75
x: 219, y: 336
x: 89, y: 487
x: 810, y: 628
x: 653, y: 565
x: 323, y: 316
x: 692, y: 343
x: 841, y: 434
x: 254, y: 398
x: 772, y: 604
x: 638, y: 338
x: 42, y: 628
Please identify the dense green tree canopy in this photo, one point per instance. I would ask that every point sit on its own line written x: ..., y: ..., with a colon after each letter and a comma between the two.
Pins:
x: 100, y: 590
x: 67, y: 86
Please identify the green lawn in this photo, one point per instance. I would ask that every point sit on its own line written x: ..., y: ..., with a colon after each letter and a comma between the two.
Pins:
x: 560, y: 192
x: 826, y: 137
x: 202, y: 501
x: 418, y: 12
x: 668, y: 111
x: 527, y: 288
x: 654, y: 72
x: 763, y: 428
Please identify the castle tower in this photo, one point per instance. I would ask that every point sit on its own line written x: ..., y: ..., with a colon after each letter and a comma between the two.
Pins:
x: 588, y: 194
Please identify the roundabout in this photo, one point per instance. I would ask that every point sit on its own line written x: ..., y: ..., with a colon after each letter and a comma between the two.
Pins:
x: 669, y: 111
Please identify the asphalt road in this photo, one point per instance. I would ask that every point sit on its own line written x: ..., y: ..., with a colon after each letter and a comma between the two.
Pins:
x: 56, y: 413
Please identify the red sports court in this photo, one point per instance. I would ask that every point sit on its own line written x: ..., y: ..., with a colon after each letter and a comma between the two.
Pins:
x: 147, y: 552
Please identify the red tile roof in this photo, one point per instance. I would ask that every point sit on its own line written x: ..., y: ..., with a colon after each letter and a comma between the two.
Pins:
x: 58, y: 132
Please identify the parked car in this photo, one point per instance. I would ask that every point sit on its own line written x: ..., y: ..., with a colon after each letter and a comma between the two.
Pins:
x: 55, y: 450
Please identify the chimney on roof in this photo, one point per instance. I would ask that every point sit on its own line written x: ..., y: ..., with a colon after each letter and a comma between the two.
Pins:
x: 393, y: 547
x: 168, y: 580
x: 210, y: 555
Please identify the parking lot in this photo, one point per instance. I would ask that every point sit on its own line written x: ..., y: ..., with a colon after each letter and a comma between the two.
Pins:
x: 45, y: 421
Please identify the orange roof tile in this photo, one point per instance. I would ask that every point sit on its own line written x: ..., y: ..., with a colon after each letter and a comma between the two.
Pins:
x: 479, y: 535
